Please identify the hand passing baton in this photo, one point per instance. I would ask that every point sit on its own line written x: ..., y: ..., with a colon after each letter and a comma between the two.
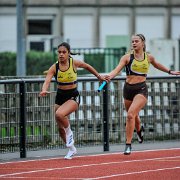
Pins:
x: 102, y: 86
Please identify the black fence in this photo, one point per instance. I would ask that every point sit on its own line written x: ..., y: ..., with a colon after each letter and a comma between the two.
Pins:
x: 27, y: 120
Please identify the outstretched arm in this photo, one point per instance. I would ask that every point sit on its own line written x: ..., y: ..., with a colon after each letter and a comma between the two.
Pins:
x: 123, y: 61
x: 88, y: 68
x: 47, y: 81
x: 161, y: 67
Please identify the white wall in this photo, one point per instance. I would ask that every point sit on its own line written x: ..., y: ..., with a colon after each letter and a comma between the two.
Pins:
x: 8, y: 33
x: 152, y: 26
x: 175, y: 27
x: 79, y: 25
x: 113, y: 25
x: 78, y: 29
x: 165, y: 52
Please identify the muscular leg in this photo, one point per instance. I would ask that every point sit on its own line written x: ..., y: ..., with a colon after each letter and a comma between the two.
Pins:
x: 62, y: 133
x: 61, y: 113
x: 133, y: 108
x: 137, y: 123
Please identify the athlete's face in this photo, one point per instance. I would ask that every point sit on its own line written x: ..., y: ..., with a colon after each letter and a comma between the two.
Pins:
x: 63, y: 54
x: 137, y: 43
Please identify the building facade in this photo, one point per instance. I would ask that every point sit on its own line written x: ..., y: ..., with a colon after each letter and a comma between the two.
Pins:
x: 86, y: 23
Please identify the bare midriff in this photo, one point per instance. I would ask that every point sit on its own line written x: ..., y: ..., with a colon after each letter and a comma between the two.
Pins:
x: 132, y: 79
x: 67, y: 87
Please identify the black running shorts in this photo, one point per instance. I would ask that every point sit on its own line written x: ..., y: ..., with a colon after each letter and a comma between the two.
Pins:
x: 64, y: 95
x: 131, y: 90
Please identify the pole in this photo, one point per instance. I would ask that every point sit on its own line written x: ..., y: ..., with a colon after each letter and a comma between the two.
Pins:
x: 106, y: 118
x: 21, y: 52
x: 22, y: 123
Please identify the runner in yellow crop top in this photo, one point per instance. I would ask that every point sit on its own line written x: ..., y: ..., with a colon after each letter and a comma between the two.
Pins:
x: 135, y: 91
x: 137, y: 67
x: 67, y: 77
x: 67, y: 96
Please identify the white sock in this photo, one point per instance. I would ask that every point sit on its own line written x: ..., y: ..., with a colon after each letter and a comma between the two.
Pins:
x: 72, y: 148
x: 67, y: 130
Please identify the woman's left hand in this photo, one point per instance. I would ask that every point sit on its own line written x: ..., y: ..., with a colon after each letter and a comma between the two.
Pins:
x: 175, y: 72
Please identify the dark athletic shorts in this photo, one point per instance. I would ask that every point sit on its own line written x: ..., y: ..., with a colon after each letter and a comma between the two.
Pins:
x: 131, y: 90
x: 64, y: 95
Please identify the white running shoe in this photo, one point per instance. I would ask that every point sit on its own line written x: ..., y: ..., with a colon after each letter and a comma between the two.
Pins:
x: 70, y: 154
x: 69, y: 139
x: 127, y: 150
x: 140, y: 134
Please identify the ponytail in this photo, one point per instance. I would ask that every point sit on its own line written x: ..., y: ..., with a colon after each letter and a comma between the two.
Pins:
x: 75, y: 53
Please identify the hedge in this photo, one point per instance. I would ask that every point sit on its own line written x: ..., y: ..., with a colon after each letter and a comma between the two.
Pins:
x: 39, y: 62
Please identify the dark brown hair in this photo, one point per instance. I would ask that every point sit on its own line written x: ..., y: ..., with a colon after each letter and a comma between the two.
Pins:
x: 67, y: 46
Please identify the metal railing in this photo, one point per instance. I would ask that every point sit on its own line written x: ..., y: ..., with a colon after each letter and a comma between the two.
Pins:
x: 27, y: 121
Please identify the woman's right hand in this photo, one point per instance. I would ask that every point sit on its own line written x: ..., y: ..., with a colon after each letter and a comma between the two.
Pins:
x: 107, y: 78
x: 44, y: 93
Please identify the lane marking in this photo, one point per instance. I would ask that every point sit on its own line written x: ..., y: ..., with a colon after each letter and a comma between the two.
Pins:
x: 91, y: 155
x: 104, y: 177
x: 136, y: 172
x: 85, y: 165
x: 168, y: 160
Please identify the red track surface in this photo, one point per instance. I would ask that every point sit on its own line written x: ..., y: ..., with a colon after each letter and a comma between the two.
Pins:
x: 151, y: 165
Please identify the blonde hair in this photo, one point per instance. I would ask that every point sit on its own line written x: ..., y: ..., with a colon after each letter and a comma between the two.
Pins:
x: 142, y: 37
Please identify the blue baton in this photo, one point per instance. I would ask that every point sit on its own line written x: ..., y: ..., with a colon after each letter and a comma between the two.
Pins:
x: 102, y: 86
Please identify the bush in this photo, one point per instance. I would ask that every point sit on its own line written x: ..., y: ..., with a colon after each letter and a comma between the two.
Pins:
x: 7, y: 64
x: 36, y: 63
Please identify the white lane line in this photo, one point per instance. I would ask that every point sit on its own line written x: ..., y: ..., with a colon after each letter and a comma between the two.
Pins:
x: 137, y: 172
x: 104, y: 177
x: 91, y: 155
x: 85, y: 165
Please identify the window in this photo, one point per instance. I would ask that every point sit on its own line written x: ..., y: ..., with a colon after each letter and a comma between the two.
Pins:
x: 37, y: 46
x: 39, y: 27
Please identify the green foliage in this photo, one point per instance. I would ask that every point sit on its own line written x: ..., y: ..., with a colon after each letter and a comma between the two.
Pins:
x: 96, y: 61
x: 38, y: 62
x: 7, y: 64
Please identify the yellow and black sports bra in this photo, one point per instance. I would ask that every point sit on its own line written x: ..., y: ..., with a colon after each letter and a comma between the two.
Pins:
x: 67, y: 77
x: 137, y: 67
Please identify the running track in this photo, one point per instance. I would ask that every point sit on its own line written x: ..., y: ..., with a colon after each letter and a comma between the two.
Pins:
x: 150, y: 164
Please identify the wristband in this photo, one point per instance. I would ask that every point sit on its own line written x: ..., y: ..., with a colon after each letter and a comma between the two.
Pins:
x: 169, y: 72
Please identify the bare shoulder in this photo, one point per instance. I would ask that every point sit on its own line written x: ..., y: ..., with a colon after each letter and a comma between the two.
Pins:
x: 77, y: 62
x: 53, y: 66
x: 125, y: 58
x: 52, y: 69
x: 150, y: 57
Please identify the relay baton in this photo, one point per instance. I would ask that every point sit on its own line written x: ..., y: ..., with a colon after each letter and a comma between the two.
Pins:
x: 102, y: 86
